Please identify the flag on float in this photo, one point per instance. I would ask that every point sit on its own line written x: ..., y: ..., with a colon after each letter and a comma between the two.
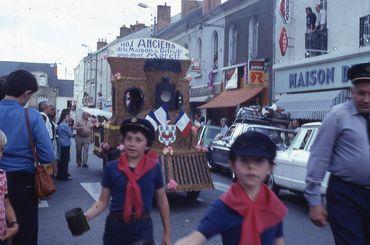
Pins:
x: 153, y: 120
x: 183, y: 123
x: 158, y: 117
x: 162, y: 115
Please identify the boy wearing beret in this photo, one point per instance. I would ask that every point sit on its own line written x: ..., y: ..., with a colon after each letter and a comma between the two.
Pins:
x: 249, y: 213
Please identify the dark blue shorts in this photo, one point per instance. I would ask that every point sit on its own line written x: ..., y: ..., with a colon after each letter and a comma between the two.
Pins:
x: 117, y: 232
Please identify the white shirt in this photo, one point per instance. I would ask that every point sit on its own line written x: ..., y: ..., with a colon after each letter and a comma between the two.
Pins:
x: 48, y: 124
x: 321, y: 18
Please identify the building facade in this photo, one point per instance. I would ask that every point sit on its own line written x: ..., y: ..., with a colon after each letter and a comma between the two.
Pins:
x: 225, y: 41
x: 311, y: 64
x: 45, y: 74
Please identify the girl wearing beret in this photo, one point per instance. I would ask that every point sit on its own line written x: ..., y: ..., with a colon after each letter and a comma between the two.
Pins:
x: 249, y: 213
x: 129, y: 185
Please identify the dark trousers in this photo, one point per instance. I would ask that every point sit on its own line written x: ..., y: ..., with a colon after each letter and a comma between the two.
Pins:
x: 349, y: 212
x: 63, y: 162
x: 117, y: 232
x: 21, y: 189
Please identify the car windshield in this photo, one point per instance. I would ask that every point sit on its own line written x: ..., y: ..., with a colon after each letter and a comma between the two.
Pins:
x: 280, y: 137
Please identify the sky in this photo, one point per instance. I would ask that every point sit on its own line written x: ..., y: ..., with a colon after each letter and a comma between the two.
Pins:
x: 53, y: 31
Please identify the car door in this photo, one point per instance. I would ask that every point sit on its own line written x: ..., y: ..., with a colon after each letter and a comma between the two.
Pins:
x: 300, y: 157
x: 284, y: 167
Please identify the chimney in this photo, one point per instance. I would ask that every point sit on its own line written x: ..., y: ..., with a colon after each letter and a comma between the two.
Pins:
x: 124, y: 31
x: 189, y: 5
x: 137, y: 27
x: 101, y: 43
x: 163, y: 16
x: 208, y: 5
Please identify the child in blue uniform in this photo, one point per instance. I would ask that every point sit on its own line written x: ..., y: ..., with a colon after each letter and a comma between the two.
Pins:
x: 249, y: 213
x: 130, y: 184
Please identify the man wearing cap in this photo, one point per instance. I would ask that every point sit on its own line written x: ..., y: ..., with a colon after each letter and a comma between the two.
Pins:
x: 342, y: 148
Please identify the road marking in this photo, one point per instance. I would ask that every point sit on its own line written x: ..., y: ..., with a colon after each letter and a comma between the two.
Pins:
x: 43, y: 204
x: 93, y: 189
x: 221, y: 186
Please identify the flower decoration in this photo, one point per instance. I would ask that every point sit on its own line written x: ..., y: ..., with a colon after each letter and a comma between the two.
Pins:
x: 200, y: 148
x: 105, y: 146
x: 194, y: 129
x: 168, y: 150
x: 171, y: 185
x: 121, y: 147
x: 117, y: 76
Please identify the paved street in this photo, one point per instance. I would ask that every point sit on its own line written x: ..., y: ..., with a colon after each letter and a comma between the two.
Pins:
x: 185, y: 214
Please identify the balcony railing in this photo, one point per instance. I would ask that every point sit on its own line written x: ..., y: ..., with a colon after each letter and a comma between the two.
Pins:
x: 316, y: 43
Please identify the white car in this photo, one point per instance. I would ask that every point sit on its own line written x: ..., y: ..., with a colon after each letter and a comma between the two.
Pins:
x: 291, y: 165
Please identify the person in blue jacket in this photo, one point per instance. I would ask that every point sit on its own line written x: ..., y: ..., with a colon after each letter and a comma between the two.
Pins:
x: 18, y: 161
x: 249, y: 212
x: 65, y: 134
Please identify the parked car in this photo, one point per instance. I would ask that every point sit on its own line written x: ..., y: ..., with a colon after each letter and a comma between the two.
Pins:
x: 219, y: 149
x: 291, y: 165
x: 207, y: 134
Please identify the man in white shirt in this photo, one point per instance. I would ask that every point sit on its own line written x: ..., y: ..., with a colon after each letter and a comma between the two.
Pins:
x: 321, y: 18
x: 44, y: 110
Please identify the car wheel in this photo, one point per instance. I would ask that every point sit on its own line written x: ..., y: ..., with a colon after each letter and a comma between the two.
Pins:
x: 193, y: 194
x: 272, y: 185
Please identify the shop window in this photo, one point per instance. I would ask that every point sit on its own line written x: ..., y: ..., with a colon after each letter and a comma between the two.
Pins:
x: 253, y: 38
x: 215, y: 50
x: 233, y: 37
x: 365, y: 31
x: 316, y: 36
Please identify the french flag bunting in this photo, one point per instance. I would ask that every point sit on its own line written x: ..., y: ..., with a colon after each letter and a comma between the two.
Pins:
x: 162, y: 115
x: 153, y: 120
x: 183, y: 123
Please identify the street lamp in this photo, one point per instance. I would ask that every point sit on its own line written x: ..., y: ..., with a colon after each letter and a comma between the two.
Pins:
x: 143, y: 5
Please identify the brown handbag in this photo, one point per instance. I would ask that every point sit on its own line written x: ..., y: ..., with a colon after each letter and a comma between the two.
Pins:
x: 44, y: 184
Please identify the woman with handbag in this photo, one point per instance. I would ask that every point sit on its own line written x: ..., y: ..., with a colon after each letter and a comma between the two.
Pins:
x: 64, y: 144
x: 131, y: 183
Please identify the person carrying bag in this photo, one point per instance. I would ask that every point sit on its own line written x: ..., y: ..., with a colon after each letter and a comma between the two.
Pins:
x: 44, y: 185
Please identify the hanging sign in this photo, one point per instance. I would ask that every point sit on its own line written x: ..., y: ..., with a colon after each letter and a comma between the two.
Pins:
x: 285, y: 10
x: 257, y: 75
x: 149, y: 48
x: 283, y: 41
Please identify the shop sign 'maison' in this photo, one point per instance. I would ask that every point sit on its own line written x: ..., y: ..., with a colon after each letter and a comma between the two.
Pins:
x: 149, y: 48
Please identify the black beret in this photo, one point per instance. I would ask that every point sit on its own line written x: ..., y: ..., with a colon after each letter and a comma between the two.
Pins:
x: 138, y: 124
x: 254, y: 144
x: 359, y: 72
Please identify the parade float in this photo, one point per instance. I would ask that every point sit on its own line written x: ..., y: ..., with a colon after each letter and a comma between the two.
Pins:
x: 148, y: 81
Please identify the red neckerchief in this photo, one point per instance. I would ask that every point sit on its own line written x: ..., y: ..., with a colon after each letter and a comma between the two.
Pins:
x: 267, y: 210
x: 133, y: 199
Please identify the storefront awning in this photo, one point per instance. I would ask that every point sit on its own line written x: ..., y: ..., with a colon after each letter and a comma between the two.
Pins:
x: 231, y: 98
x: 313, y: 105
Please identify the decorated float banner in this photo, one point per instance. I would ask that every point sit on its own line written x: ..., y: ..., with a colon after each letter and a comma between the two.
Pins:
x: 257, y: 75
x: 148, y: 48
